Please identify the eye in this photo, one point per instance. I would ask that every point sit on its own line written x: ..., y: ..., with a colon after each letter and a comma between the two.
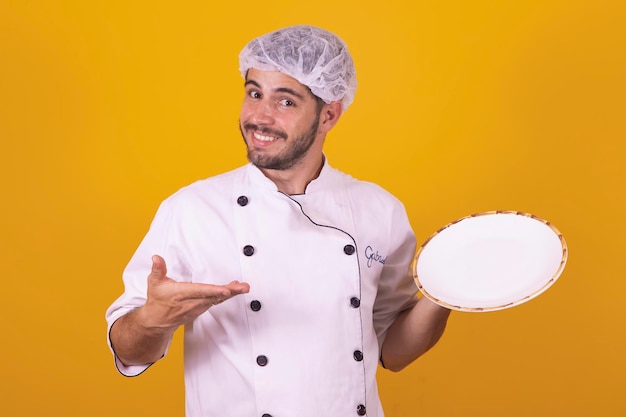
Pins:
x: 254, y: 94
x: 287, y: 103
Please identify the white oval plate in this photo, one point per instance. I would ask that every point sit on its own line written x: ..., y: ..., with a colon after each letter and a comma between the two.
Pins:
x: 490, y: 261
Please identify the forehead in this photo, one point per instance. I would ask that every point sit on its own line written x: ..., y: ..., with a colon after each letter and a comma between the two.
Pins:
x: 276, y: 81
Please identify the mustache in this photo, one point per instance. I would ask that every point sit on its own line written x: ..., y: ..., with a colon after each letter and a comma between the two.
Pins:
x: 265, y: 130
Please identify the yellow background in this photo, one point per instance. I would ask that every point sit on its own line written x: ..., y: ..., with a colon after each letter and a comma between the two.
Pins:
x: 107, y: 107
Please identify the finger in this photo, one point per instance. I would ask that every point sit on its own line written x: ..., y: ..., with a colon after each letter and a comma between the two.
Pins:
x: 237, y: 287
x: 159, y: 269
x: 210, y: 291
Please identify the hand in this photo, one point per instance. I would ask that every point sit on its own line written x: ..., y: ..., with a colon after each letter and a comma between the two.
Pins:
x: 171, y: 303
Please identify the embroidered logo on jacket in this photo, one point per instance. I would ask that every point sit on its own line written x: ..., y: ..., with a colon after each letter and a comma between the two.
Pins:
x: 373, y: 256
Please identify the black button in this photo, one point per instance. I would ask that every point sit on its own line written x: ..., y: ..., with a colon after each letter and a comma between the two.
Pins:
x: 266, y: 415
x: 255, y: 305
x: 248, y: 250
x: 261, y: 360
x: 242, y: 200
x: 348, y: 249
x: 355, y: 302
x: 360, y: 410
x: 358, y: 355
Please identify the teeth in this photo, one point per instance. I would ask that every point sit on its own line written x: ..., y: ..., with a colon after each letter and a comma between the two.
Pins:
x: 264, y: 138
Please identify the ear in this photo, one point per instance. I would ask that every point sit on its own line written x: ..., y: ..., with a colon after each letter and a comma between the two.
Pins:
x: 330, y: 115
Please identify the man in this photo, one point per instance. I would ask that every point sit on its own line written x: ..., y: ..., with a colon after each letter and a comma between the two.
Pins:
x: 290, y: 277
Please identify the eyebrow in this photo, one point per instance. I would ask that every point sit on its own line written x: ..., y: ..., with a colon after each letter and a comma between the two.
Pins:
x: 278, y: 90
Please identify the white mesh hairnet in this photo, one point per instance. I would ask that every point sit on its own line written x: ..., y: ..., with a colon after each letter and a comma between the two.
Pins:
x: 313, y: 56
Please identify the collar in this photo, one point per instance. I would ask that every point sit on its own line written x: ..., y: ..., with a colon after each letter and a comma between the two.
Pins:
x: 322, y: 182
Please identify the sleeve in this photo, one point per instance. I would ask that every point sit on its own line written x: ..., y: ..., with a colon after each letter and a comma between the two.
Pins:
x: 163, y: 238
x: 397, y: 290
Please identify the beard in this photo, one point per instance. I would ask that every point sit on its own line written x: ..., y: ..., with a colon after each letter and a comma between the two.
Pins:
x: 296, y: 150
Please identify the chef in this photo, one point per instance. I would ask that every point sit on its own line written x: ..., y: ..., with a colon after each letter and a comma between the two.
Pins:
x: 290, y: 278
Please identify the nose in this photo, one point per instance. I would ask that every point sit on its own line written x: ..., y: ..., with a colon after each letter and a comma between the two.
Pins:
x: 262, y: 113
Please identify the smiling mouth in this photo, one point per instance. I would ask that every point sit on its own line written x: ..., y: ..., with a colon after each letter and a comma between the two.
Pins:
x: 264, y: 138
x: 264, y: 134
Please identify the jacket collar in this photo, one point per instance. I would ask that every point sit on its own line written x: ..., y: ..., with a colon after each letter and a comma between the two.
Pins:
x: 324, y: 180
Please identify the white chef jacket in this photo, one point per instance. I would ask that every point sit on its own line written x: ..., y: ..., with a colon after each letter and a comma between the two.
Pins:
x: 328, y: 273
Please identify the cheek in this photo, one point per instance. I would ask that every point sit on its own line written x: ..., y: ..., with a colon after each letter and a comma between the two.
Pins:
x: 248, y: 108
x: 244, y: 113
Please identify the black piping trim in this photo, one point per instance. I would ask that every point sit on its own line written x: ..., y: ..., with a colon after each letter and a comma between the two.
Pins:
x: 360, y: 277
x: 117, y: 359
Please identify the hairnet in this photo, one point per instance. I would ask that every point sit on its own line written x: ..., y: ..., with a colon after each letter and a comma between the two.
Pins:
x: 315, y: 57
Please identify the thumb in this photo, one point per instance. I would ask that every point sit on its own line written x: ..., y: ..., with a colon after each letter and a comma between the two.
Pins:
x: 159, y: 269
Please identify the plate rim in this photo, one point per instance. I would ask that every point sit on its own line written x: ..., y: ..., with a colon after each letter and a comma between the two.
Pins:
x: 543, y: 288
